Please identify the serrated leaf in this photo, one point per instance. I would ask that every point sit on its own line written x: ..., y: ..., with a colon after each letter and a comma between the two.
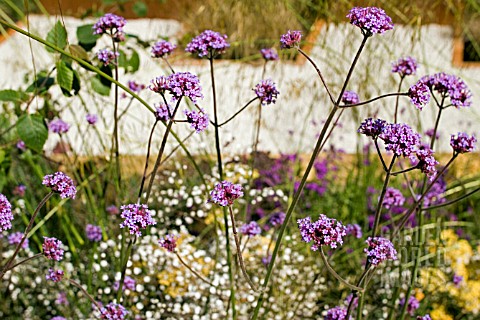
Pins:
x: 134, y: 62
x: 32, y: 130
x: 13, y: 95
x: 98, y: 87
x: 64, y: 76
x: 57, y: 36
x: 140, y: 8
x: 78, y: 52
x: 85, y: 34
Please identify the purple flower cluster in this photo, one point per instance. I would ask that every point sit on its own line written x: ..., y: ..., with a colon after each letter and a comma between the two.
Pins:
x: 137, y: 217
x: 419, y: 94
x: 393, y: 198
x: 55, y: 275
x: 457, y: 90
x: 60, y: 183
x: 371, y: 20
x: 413, y: 304
x: 372, y: 128
x: 462, y: 142
x: 277, y: 219
x: 354, y: 230
x: 58, y: 126
x: 426, y: 161
x: 198, y: 120
x: 52, y: 248
x: 112, y: 24
x: 162, y: 48
x: 425, y: 317
x: 135, y: 86
x: 168, y: 242
x: 435, y: 194
x: 457, y: 280
x: 269, y: 54
x: 290, y: 39
x: 62, y: 299
x: 162, y: 112
x: 208, y: 42
x: 225, y: 193
x: 128, y: 283
x: 250, y: 229
x: 107, y: 56
x: 159, y: 84
x: 112, y: 209
x: 16, y: 237
x: 113, y: 311
x: 400, y: 139
x: 323, y: 232
x: 266, y: 260
x: 58, y: 318
x: 380, y: 249
x: 21, y: 145
x: 184, y: 84
x: 6, y: 215
x: 94, y: 233
x: 405, y: 66
x: 91, y: 119
x: 350, y: 97
x: 336, y: 313
x: 266, y: 91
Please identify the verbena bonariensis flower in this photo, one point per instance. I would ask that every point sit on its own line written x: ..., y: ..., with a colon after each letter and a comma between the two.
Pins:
x: 290, y: 39
x: 184, y: 84
x: 198, y: 120
x: 94, y: 233
x: 62, y: 299
x: 128, y: 283
x: 277, y: 219
x: 112, y: 209
x: 323, y: 232
x: 400, y: 139
x: 419, y: 94
x: 135, y: 86
x: 54, y: 275
x: 405, y: 66
x: 15, y: 239
x: 52, y: 248
x: 435, y: 194
x: 431, y: 132
x: 250, y: 229
x: 107, y: 56
x: 457, y: 279
x: 225, y: 193
x: 425, y: 317
x: 336, y: 313
x: 462, y: 142
x: 21, y: 145
x: 350, y: 97
x: 137, y: 217
x: 6, y: 215
x: 426, y: 162
x: 168, y: 242
x: 60, y: 183
x: 91, y: 119
x: 372, y: 128
x: 113, y: 311
x: 269, y: 54
x: 457, y: 90
x: 208, y: 42
x: 393, y: 198
x: 58, y: 126
x: 354, y: 230
x: 162, y: 112
x: 370, y: 20
x: 413, y: 304
x: 379, y: 249
x: 162, y: 48
x: 266, y: 91
x: 159, y: 84
x: 109, y: 23
x: 58, y: 318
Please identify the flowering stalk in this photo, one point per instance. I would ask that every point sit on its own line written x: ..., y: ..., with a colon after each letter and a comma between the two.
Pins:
x: 124, y: 268
x: 335, y: 274
x: 76, y: 284
x: 395, y: 94
x: 116, y: 145
x: 236, y: 113
x: 144, y: 176
x: 395, y: 115
x: 198, y: 275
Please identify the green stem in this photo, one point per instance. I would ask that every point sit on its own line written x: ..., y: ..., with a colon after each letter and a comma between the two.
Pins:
x: 396, y: 94
x: 124, y: 269
x: 199, y: 276
x: 144, y: 176
x: 382, y: 197
x: 398, y: 99
x: 236, y: 113
x: 336, y: 275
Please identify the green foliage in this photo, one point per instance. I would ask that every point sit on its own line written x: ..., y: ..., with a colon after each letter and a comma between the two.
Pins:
x: 13, y: 96
x: 32, y: 130
x: 64, y: 76
x: 140, y: 8
x: 57, y: 36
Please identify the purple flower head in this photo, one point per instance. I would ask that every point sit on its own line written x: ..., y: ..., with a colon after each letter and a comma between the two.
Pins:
x: 269, y: 54
x: 137, y: 217
x: 400, y: 139
x: 162, y: 112
x: 349, y: 298
x: 413, y: 304
x: 208, y: 42
x: 54, y: 275
x: 52, y: 248
x: 290, y: 39
x: 6, y: 215
x: 91, y: 119
x: 323, y: 232
x: 16, y: 237
x: 336, y: 313
x: 459, y: 93
x: 425, y: 317
x: 184, y: 84
x: 266, y: 260
x: 405, y: 66
x: 129, y: 283
x: 350, y: 97
x: 393, y: 198
x: 266, y: 91
x: 60, y: 183
x: 198, y: 120
x: 107, y: 56
x: 61, y: 298
x: 94, y: 233
x: 379, y: 249
x: 370, y: 20
x: 112, y: 209
x: 251, y: 229
x: 354, y: 230
x: 58, y: 318
x: 426, y: 161
x: 159, y: 84
x: 419, y: 94
x: 58, y: 126
x: 457, y: 280
x: 21, y: 145
x: 135, y: 86
x: 431, y: 132
x: 372, y: 128
x: 168, y: 242
x: 113, y: 311
x: 109, y: 23
x: 162, y: 48
x: 277, y: 219
x: 462, y: 142
x: 225, y: 193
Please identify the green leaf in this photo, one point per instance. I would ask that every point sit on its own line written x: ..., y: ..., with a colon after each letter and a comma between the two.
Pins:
x: 13, y: 96
x: 85, y: 34
x: 78, y: 52
x: 98, y: 87
x: 64, y: 76
x: 140, y: 8
x: 32, y: 130
x: 134, y: 62
x: 57, y: 36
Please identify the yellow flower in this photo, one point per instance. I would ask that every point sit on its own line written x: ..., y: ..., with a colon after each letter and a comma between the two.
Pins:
x: 433, y: 280
x: 439, y: 313
x: 469, y: 297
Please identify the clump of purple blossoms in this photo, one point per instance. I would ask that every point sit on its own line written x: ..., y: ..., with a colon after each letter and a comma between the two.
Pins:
x: 350, y: 97
x: 393, y: 198
x: 21, y: 145
x: 184, y: 84
x: 431, y: 132
x: 52, y: 248
x: 277, y: 218
x: 425, y: 317
x: 462, y: 142
x: 435, y: 194
x: 55, y: 275
x: 159, y: 84
x: 379, y: 249
x: 208, y: 42
x: 128, y: 283
x: 460, y: 95
x: 370, y: 19
x: 372, y: 128
x: 269, y: 54
x: 336, y: 313
x: 400, y: 139
x: 91, y: 119
x: 16, y: 237
x: 413, y: 304
x: 58, y: 126
x: 162, y: 48
x: 168, y: 242
x: 457, y: 280
x: 110, y: 23
x: 419, y: 94
x: 58, y: 318
x: 135, y: 86
x: 266, y: 91
x: 137, y: 217
x: 251, y: 229
x: 323, y: 232
x: 198, y: 120
x: 94, y: 233
x: 426, y: 161
x: 112, y: 209
x: 60, y: 183
x: 290, y: 39
x: 266, y: 260
x: 405, y: 66
x: 354, y: 230
x: 107, y: 56
x: 6, y: 215
x: 162, y: 112
x: 113, y: 311
x: 62, y: 299
x: 225, y: 193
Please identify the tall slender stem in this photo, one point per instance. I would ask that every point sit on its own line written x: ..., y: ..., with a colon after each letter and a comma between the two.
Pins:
x: 26, y: 260
x: 396, y: 94
x: 395, y: 117
x: 146, y: 161
x: 335, y: 274
x: 382, y: 197
x: 198, y: 275
x: 115, y: 119
x: 79, y: 286
x: 124, y: 269
x: 236, y: 113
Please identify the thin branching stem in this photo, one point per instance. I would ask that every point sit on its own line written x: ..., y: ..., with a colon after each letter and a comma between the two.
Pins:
x: 237, y: 113
x: 335, y: 274
x: 395, y: 116
x: 451, y: 202
x: 382, y: 197
x: 380, y: 155
x: 374, y: 99
x: 85, y: 292
x: 144, y: 176
x: 198, y: 275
